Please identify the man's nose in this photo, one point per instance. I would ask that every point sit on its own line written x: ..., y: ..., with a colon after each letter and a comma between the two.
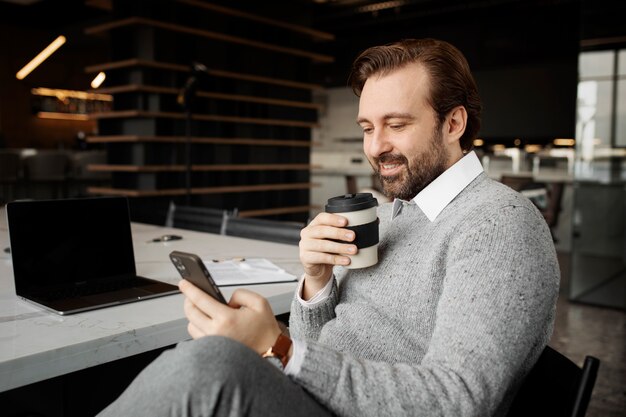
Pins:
x: 378, y: 144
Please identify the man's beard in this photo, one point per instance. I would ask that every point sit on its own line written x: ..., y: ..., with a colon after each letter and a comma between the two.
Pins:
x: 420, y: 172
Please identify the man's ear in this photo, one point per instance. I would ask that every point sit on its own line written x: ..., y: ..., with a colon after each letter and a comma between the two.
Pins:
x: 455, y: 124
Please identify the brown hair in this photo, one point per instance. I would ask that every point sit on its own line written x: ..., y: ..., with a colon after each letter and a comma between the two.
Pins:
x: 451, y: 81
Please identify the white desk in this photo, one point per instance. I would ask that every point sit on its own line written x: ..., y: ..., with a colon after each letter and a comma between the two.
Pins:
x: 36, y: 345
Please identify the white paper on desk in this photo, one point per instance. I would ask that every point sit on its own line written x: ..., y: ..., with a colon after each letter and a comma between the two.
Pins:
x: 250, y: 271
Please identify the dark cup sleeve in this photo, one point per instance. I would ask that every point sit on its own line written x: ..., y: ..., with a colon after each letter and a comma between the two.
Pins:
x: 366, y: 235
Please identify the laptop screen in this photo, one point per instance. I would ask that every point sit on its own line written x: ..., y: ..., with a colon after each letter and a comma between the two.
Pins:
x: 69, y: 241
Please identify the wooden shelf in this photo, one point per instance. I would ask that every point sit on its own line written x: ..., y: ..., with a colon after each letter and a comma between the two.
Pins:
x: 277, y: 210
x: 315, y: 34
x: 100, y: 4
x: 128, y: 114
x: 138, y: 62
x: 137, y: 88
x: 199, y: 140
x: 201, y: 190
x: 259, y: 118
x: 133, y: 21
x: 200, y: 168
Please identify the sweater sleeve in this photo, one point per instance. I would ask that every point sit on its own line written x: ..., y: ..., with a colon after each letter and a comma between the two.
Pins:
x: 494, y: 316
x: 305, y: 323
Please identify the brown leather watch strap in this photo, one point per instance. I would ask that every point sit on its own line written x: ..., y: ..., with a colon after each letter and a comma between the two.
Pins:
x: 280, y: 349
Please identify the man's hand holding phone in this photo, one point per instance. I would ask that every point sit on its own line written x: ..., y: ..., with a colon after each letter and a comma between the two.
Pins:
x: 247, y: 317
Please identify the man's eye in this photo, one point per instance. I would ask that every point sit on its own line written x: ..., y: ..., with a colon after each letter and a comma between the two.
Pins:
x: 396, y: 127
x: 368, y: 130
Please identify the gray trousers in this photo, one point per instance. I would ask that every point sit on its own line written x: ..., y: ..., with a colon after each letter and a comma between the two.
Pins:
x: 213, y: 376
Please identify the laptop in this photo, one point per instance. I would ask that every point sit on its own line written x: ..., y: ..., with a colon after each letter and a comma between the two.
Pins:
x: 75, y: 255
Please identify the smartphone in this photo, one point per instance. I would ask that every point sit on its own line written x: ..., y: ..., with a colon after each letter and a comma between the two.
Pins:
x: 191, y: 268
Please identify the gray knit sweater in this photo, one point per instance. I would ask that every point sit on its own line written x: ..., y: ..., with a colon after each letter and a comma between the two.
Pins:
x: 450, y: 320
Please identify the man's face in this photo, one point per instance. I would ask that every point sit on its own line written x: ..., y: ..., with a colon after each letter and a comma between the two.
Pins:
x: 401, y: 136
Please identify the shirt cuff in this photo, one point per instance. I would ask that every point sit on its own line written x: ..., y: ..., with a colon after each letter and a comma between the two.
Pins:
x: 297, y: 357
x: 317, y: 298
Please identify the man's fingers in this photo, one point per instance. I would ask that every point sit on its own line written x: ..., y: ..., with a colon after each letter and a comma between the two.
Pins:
x: 327, y: 246
x: 194, y: 332
x: 245, y: 298
x: 316, y: 252
x: 193, y: 312
x: 203, y: 301
x: 321, y: 242
x: 329, y: 219
x: 328, y: 232
x: 317, y: 258
x: 199, y: 323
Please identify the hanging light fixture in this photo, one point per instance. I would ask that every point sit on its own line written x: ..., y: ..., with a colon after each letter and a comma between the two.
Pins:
x: 41, y: 57
x: 96, y: 82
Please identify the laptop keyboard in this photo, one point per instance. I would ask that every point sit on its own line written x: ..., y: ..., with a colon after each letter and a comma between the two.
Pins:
x: 90, y: 288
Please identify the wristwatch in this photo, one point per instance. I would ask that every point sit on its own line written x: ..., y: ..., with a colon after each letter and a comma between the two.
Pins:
x: 279, y: 353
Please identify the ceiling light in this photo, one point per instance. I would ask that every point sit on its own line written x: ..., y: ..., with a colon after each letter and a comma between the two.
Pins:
x: 98, y: 80
x: 564, y: 142
x: 532, y: 148
x: 42, y: 56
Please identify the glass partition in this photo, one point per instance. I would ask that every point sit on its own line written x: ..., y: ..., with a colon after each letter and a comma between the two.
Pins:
x: 598, y: 273
x: 620, y: 109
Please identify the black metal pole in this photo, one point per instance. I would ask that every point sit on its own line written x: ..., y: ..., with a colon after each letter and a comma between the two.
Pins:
x: 188, y: 157
x: 185, y: 98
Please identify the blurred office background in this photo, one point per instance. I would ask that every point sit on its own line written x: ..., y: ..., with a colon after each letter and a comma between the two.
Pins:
x: 243, y: 106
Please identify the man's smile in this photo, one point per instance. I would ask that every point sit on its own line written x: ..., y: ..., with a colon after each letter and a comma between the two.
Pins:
x: 390, y: 165
x: 387, y: 169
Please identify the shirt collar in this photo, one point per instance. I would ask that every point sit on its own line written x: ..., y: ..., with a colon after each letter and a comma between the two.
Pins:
x: 439, y: 193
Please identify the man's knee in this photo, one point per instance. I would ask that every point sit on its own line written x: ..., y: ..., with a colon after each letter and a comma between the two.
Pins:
x: 214, y: 358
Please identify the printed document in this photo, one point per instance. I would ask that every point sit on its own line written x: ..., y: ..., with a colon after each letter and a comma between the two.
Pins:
x: 247, y: 272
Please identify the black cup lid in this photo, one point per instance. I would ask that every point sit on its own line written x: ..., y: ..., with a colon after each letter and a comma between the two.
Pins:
x: 351, y: 202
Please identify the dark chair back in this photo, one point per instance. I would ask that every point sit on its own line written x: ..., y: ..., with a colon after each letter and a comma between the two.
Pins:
x: 83, y: 177
x: 263, y: 229
x: 547, y: 197
x: 556, y: 387
x: 204, y: 219
x: 9, y: 166
x: 555, y: 196
x: 517, y: 182
x: 46, y: 166
x: 46, y: 174
x: 80, y: 164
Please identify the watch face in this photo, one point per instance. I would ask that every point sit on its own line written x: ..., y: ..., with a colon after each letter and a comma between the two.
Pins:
x: 275, y: 361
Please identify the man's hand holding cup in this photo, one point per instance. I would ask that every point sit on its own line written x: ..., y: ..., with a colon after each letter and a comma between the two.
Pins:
x: 346, y: 234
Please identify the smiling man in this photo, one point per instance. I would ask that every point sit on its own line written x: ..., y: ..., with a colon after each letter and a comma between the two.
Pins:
x: 391, y: 127
x: 448, y: 323
x: 392, y: 123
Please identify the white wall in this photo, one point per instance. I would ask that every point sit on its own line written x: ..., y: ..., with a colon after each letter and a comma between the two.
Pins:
x: 340, y: 150
x: 338, y: 120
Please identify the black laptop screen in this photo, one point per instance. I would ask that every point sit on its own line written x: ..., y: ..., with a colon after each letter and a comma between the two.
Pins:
x: 69, y: 241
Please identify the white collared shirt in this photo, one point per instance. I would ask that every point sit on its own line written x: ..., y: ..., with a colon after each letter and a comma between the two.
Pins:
x: 439, y: 193
x: 431, y: 200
